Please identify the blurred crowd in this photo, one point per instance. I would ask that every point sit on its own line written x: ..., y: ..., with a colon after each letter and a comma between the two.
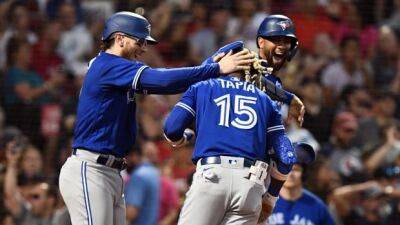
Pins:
x: 347, y: 72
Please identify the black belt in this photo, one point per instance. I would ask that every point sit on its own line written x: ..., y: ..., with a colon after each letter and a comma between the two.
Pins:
x: 117, y: 163
x: 217, y: 160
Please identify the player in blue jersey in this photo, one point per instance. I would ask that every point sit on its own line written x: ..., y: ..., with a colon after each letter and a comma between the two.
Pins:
x: 298, y: 206
x: 277, y: 44
x: 105, y: 128
x: 235, y: 121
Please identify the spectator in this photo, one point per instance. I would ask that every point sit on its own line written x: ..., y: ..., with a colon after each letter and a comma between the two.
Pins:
x: 35, y: 204
x: 76, y: 42
x: 371, y: 202
x: 169, y: 196
x: 45, y: 60
x: 143, y: 190
x: 369, y: 135
x: 150, y: 120
x: 175, y: 49
x: 297, y: 205
x: 385, y: 62
x: 356, y: 100
x: 322, y: 54
x: 316, y: 111
x: 245, y: 25
x: 199, y: 14
x: 25, y: 91
x: 347, y: 70
x: 53, y: 6
x: 323, y: 179
x: 19, y: 28
x: 31, y: 163
x: 344, y: 155
x: 204, y: 42
x: 352, y: 24
x: 387, y: 153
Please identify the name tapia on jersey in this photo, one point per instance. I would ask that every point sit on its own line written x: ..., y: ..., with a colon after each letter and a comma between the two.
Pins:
x: 237, y: 84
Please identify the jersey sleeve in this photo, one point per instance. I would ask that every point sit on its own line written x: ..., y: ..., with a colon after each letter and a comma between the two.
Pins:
x: 274, y: 123
x: 174, y: 80
x: 123, y: 74
x: 283, y: 148
x: 181, y: 116
x: 275, y: 92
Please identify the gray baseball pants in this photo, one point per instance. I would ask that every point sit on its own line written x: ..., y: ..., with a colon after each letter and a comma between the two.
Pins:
x: 93, y: 193
x: 221, y: 194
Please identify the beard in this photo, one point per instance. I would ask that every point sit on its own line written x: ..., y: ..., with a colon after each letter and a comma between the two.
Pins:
x: 275, y: 61
x: 131, y: 53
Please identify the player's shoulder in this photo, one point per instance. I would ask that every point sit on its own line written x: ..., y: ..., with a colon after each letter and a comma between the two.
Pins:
x: 209, y: 83
x: 111, y: 60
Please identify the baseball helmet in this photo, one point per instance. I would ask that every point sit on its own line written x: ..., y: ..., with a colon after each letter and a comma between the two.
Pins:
x: 304, y: 152
x: 279, y: 25
x: 305, y: 155
x: 128, y: 23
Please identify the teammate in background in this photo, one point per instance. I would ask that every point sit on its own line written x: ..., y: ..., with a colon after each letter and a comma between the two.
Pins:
x: 297, y: 205
x: 277, y: 43
x: 105, y: 129
x: 233, y: 119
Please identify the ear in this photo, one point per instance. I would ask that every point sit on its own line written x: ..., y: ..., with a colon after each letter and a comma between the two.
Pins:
x: 260, y: 42
x: 119, y: 40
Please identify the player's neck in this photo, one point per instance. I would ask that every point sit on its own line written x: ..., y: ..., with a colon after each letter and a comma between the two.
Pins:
x: 114, y: 51
x: 291, y: 194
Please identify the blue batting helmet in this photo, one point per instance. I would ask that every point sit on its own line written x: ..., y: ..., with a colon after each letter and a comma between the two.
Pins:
x: 128, y: 23
x: 304, y: 152
x: 279, y: 25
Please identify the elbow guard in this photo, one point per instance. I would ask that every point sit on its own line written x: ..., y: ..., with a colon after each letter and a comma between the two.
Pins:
x: 284, y: 150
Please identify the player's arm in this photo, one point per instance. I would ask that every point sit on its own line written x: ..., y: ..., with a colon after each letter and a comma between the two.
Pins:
x: 279, y: 168
x: 177, y: 80
x: 296, y: 106
x: 180, y: 118
x: 282, y: 164
x: 174, y: 80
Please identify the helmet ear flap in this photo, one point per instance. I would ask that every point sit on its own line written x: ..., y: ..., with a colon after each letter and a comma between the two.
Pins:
x: 293, y: 52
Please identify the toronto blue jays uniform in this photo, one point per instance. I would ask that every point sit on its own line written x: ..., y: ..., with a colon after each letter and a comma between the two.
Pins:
x: 307, y: 210
x: 105, y: 131
x: 107, y: 99
x: 232, y: 120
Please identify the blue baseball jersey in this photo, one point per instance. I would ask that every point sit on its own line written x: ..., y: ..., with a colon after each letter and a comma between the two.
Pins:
x: 106, y: 120
x: 278, y: 83
x: 233, y: 118
x: 307, y: 210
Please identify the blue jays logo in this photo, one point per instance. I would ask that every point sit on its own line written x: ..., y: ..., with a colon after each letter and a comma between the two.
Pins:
x: 284, y: 24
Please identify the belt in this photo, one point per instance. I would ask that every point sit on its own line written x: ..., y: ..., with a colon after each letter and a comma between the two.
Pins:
x: 107, y: 160
x: 217, y: 160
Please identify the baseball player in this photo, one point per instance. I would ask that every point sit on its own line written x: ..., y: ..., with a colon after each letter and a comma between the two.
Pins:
x: 233, y: 119
x: 277, y: 43
x: 105, y: 129
x: 296, y: 205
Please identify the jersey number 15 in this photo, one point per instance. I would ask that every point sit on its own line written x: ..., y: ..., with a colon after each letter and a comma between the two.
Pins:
x: 242, y: 106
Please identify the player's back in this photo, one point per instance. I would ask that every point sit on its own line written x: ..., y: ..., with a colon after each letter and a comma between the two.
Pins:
x: 232, y: 118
